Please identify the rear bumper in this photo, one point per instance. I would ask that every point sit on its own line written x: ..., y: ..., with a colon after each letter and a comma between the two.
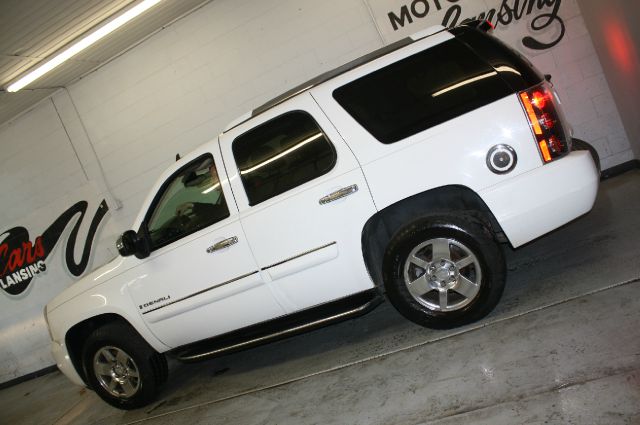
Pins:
x: 543, y: 199
x: 64, y: 363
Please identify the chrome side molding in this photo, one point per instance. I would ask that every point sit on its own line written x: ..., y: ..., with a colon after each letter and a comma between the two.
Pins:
x: 302, y: 254
x: 235, y: 279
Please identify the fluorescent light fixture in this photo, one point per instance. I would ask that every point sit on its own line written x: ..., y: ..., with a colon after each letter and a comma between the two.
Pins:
x: 85, y: 42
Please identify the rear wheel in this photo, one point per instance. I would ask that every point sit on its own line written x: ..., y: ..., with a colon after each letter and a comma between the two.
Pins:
x: 121, y: 367
x: 444, y: 271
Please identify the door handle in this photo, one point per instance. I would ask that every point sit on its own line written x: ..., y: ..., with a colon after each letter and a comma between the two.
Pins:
x: 338, y: 194
x: 222, y: 244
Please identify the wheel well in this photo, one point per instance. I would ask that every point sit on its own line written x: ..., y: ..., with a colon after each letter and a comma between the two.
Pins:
x: 77, y: 335
x: 381, y: 227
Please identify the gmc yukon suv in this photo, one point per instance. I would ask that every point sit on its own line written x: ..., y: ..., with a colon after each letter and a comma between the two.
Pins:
x: 400, y: 175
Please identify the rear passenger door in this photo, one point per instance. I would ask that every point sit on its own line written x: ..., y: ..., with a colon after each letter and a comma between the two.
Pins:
x: 303, y: 202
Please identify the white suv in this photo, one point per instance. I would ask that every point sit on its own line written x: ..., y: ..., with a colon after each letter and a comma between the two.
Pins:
x: 399, y: 175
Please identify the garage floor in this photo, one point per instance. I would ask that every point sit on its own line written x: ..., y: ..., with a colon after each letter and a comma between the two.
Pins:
x: 563, y: 347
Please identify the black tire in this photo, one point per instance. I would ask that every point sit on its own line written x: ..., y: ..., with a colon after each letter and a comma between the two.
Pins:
x: 144, y: 370
x: 461, y: 234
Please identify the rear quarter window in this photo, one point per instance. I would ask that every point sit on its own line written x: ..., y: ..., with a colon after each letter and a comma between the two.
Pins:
x: 421, y: 91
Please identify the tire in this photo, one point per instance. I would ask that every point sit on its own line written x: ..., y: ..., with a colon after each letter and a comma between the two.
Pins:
x: 121, y: 367
x: 455, y: 255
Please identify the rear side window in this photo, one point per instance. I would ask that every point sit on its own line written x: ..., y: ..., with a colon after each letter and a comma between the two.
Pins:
x: 282, y: 154
x: 421, y: 91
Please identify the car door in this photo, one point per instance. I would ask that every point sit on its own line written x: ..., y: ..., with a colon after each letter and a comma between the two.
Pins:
x: 200, y: 279
x: 303, y: 202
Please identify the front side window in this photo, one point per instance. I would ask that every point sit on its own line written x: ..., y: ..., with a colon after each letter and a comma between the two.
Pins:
x: 190, y: 200
x: 282, y: 154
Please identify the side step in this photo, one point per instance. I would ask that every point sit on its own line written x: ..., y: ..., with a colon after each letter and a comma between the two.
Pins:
x: 282, y: 327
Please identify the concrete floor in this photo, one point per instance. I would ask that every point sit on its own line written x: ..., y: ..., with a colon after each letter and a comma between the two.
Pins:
x: 562, y: 347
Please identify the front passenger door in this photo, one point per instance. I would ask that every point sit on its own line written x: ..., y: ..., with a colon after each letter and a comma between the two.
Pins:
x: 201, y: 279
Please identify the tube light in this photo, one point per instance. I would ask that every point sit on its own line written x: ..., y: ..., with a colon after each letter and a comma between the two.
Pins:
x: 82, y: 44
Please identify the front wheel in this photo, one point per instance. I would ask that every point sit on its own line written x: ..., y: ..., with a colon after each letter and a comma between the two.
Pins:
x: 444, y: 271
x: 121, y: 367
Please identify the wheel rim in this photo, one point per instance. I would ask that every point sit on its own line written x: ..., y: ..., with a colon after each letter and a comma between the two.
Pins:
x: 116, y: 372
x: 443, y: 274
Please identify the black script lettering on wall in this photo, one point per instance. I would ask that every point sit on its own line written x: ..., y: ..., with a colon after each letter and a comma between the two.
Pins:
x: 546, y: 15
x: 21, y: 259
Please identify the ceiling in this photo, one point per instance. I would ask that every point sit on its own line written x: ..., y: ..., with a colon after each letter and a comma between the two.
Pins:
x: 32, y: 30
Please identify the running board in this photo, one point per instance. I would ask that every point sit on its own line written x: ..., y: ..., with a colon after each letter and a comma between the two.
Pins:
x: 281, y: 327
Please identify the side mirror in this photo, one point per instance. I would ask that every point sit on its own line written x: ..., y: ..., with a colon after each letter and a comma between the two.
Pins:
x: 131, y: 243
x: 126, y: 243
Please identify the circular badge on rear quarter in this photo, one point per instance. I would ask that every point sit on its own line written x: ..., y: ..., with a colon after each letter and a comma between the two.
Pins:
x: 501, y: 159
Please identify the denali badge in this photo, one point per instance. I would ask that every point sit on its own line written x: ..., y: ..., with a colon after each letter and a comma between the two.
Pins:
x: 152, y: 302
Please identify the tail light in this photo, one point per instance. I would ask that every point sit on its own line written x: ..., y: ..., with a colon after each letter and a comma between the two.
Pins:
x: 546, y: 121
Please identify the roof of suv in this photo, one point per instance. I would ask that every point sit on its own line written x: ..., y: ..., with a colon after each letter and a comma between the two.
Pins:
x: 334, y: 73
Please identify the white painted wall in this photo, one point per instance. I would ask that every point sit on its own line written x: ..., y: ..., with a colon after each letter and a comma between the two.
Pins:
x: 41, y: 177
x: 614, y: 28
x: 181, y: 87
x: 125, y: 122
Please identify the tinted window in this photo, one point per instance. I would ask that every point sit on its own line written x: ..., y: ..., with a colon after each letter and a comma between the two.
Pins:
x: 514, y: 68
x: 421, y: 91
x: 281, y: 154
x: 190, y: 200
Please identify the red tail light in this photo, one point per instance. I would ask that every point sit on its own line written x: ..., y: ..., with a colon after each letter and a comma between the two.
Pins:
x: 546, y: 122
x: 539, y: 100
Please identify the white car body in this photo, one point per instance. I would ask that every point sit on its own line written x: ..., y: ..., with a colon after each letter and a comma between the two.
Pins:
x: 265, y: 274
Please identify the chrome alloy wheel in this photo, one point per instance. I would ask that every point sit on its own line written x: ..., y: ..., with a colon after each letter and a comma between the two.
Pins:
x: 442, y: 274
x: 116, y: 372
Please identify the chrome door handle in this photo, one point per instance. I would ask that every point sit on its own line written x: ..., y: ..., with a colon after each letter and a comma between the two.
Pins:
x: 338, y: 194
x: 223, y: 244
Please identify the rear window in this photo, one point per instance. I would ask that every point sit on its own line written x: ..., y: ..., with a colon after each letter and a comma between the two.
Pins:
x: 421, y: 91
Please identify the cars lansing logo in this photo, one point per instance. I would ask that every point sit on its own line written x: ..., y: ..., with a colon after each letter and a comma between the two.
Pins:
x: 153, y: 302
x: 22, y: 260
